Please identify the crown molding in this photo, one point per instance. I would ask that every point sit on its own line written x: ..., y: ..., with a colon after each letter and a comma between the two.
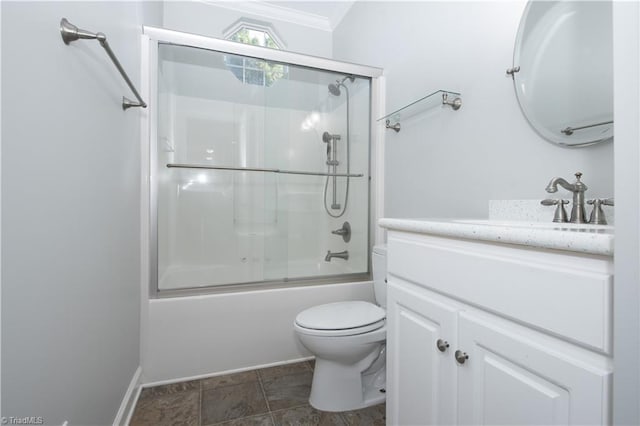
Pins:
x: 271, y: 11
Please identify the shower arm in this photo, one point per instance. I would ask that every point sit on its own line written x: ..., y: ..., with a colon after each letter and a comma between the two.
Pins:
x: 70, y: 32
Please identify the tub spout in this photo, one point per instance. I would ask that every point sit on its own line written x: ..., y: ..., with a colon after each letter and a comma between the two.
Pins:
x: 342, y: 255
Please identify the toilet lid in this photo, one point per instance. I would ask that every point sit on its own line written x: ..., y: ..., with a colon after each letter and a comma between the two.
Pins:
x: 340, y: 316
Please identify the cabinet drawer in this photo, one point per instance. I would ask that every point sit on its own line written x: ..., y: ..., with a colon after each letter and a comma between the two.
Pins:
x: 560, y: 293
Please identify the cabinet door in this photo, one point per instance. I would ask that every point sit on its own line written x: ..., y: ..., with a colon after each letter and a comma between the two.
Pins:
x: 420, y: 378
x: 513, y: 376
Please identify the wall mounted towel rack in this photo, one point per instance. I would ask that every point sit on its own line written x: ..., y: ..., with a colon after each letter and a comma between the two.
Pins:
x: 569, y: 130
x: 70, y: 32
x: 446, y: 97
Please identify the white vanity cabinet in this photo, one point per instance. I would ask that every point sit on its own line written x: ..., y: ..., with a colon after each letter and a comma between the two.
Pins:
x: 532, y: 329
x: 421, y: 332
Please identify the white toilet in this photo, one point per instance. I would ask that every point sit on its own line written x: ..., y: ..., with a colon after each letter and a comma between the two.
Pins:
x: 348, y: 340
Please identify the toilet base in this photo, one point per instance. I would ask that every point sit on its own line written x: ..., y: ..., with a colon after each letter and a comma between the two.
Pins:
x: 337, y: 387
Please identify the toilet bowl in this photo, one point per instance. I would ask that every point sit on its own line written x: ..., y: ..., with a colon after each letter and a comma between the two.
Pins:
x: 348, y: 341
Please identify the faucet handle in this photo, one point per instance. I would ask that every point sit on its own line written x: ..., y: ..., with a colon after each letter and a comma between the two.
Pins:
x: 597, y: 214
x: 602, y: 201
x: 560, y: 215
x: 345, y: 232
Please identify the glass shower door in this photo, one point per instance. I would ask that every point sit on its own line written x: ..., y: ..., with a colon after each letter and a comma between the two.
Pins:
x: 241, y: 166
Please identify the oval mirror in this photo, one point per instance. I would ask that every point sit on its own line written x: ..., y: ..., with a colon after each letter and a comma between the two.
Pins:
x: 564, y: 85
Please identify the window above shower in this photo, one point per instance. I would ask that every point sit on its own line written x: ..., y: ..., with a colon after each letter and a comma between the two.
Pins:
x: 253, y: 70
x: 253, y: 179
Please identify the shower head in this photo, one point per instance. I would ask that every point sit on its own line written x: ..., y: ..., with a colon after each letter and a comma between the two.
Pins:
x: 334, y: 88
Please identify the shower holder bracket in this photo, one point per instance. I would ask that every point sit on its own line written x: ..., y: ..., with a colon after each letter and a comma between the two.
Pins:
x: 395, y: 127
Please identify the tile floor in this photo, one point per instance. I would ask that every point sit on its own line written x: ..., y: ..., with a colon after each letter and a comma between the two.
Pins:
x: 270, y: 396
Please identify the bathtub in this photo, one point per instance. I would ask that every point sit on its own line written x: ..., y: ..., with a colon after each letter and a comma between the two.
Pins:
x: 203, y: 335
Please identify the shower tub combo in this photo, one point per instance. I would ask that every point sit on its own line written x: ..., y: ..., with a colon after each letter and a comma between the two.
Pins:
x: 260, y: 196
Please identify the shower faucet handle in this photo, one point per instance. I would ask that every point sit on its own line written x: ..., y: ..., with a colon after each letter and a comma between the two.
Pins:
x: 345, y: 232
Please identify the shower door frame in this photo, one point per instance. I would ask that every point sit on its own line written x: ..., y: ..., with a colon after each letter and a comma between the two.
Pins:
x: 150, y: 39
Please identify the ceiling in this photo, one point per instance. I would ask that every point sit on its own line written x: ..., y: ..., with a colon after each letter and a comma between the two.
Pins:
x: 333, y: 11
x: 319, y: 14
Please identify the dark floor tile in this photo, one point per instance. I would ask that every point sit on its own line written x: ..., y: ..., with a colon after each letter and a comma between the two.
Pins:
x: 307, y: 415
x: 370, y: 416
x: 229, y: 379
x: 181, y: 408
x: 232, y: 402
x: 193, y: 385
x: 288, y: 391
x: 262, y: 420
x: 282, y: 370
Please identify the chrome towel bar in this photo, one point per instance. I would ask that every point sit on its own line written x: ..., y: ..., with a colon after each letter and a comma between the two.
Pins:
x: 257, y: 169
x: 70, y: 32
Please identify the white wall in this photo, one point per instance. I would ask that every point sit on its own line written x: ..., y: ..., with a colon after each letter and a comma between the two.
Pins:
x: 445, y: 163
x: 626, y: 391
x: 205, y: 18
x: 70, y: 220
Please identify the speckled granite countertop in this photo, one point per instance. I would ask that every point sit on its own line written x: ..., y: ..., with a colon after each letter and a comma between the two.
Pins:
x: 592, y: 239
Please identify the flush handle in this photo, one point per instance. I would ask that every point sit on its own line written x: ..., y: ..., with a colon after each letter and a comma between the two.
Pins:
x: 461, y: 357
x: 442, y: 345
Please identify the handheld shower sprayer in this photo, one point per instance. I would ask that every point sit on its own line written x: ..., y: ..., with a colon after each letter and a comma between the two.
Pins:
x: 332, y: 160
x: 328, y: 137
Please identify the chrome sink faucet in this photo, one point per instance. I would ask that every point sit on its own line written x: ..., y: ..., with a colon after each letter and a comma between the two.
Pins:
x: 578, y: 213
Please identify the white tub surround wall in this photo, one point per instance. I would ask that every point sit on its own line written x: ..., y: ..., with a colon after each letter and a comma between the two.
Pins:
x: 261, y: 232
x: 200, y: 336
x: 446, y: 163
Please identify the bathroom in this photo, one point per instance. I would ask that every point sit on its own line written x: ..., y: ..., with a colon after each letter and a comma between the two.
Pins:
x: 81, y: 331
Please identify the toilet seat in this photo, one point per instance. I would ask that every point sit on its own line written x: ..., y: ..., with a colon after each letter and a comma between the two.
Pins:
x: 341, y: 319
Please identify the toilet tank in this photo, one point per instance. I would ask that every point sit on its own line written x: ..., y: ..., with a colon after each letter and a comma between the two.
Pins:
x: 379, y: 265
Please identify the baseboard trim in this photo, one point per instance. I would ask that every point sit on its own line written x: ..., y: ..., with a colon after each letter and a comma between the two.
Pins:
x: 222, y: 373
x: 129, y: 401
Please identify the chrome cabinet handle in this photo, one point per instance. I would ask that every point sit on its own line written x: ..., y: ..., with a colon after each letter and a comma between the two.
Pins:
x: 442, y: 345
x: 461, y: 357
